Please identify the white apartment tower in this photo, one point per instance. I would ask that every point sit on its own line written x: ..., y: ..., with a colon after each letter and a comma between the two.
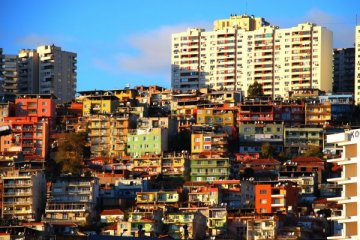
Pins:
x: 357, y: 66
x: 57, y: 72
x: 233, y: 57
x: 349, y: 199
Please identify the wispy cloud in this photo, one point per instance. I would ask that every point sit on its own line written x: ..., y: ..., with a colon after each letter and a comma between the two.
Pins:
x: 104, y: 65
x: 145, y: 53
x: 33, y: 40
x: 152, y: 51
x: 343, y: 32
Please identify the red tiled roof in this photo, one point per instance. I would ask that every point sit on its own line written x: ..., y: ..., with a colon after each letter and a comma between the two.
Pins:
x: 262, y: 161
x: 112, y: 212
x: 218, y: 182
x: 195, y: 184
x: 307, y: 159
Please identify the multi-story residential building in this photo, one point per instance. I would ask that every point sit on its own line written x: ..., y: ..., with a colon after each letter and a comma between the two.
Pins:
x: 147, y: 141
x: 186, y: 225
x: 357, y: 66
x: 342, y: 107
x: 127, y: 188
x: 99, y: 134
x: 227, y: 97
x: 10, y: 76
x: 29, y: 136
x: 159, y: 122
x: 34, y: 119
x: 72, y: 199
x: 256, y: 110
x: 261, y: 228
x: 184, y: 108
x: 108, y: 134
x: 275, y: 198
x: 299, y: 139
x: 28, y: 67
x: 343, y: 71
x: 218, y: 116
x: 100, y: 104
x: 233, y: 58
x: 8, y: 160
x: 145, y: 223
x: 57, y: 72
x: 247, y: 196
x: 217, y: 218
x: 1, y: 73
x: 147, y: 163
x: 68, y: 117
x: 317, y: 113
x: 156, y: 99
x: 245, y: 22
x: 174, y: 164
x: 349, y: 198
x: 306, y: 165
x: 231, y: 192
x: 155, y: 200
x: 6, y: 109
x: 23, y: 195
x: 37, y: 105
x: 253, y: 135
x: 204, y: 196
x: 209, y: 142
x: 209, y: 167
x: 291, y: 113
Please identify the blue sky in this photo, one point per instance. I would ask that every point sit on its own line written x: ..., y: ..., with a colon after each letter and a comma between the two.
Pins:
x: 128, y: 42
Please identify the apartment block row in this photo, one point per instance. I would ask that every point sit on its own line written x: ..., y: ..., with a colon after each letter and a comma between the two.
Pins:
x: 233, y: 57
x: 44, y: 70
x: 244, y: 49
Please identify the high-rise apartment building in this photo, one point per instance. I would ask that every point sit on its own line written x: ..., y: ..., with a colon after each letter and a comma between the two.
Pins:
x: 357, y: 65
x: 23, y: 195
x: 234, y: 58
x: 28, y: 75
x: 245, y: 22
x: 57, y: 72
x: 349, y: 180
x: 46, y: 70
x: 343, y: 71
x: 1, y: 73
x: 10, y: 75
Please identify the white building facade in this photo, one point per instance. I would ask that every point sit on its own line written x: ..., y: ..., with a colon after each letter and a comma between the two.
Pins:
x: 234, y: 58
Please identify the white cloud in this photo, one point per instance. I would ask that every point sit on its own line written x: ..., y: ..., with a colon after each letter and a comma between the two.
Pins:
x: 33, y: 40
x: 104, y: 65
x: 144, y: 53
x: 152, y: 51
x: 343, y: 32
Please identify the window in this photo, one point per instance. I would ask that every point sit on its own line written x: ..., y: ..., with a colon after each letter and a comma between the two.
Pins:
x: 207, y: 147
x: 197, y: 140
x: 263, y: 191
x: 263, y: 201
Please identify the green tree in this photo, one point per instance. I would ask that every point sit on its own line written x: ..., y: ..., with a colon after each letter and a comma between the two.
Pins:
x: 313, y: 151
x: 267, y: 150
x: 255, y: 90
x: 70, y: 152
